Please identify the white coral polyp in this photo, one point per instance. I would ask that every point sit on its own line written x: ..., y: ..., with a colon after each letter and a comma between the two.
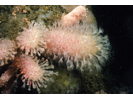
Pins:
x: 31, y: 39
x: 34, y: 72
x: 7, y: 51
x: 80, y: 46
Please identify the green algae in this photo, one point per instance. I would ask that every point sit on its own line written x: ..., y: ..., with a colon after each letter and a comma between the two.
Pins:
x: 11, y: 25
x: 65, y: 83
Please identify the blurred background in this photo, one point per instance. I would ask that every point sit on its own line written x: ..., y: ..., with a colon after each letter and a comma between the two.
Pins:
x: 117, y: 22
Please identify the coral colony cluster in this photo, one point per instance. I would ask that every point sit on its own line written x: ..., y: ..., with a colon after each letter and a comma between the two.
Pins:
x: 69, y: 42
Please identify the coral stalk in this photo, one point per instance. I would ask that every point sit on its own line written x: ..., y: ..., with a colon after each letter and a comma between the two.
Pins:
x: 7, y: 51
x: 74, y: 16
x: 6, y: 76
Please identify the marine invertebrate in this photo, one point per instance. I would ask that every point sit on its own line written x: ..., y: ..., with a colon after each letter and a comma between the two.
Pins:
x: 30, y: 39
x: 6, y: 76
x: 78, y: 45
x: 7, y: 50
x: 68, y: 43
x: 74, y: 16
x: 34, y: 71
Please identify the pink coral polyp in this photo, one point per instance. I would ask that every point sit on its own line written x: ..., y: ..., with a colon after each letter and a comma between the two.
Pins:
x: 34, y: 71
x: 78, y: 45
x: 30, y: 39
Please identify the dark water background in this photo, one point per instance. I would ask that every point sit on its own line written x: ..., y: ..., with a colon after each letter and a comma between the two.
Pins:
x: 117, y: 22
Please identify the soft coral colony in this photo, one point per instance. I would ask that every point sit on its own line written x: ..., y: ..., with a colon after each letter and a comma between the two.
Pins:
x: 68, y: 43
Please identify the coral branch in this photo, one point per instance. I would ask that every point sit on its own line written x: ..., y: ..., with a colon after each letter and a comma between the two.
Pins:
x: 7, y: 51
x: 6, y: 76
x: 74, y: 16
